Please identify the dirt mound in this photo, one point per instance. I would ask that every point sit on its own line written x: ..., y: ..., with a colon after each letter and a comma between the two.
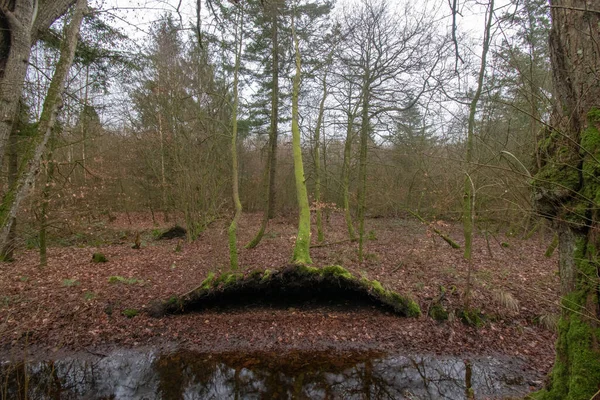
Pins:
x: 295, y: 281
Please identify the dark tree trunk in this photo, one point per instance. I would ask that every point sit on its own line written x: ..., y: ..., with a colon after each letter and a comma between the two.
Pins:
x: 6, y: 253
x: 568, y: 191
x: 271, y: 167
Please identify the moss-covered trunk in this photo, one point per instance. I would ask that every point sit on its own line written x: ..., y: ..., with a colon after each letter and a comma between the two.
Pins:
x: 568, y: 192
x: 302, y: 247
x: 30, y: 163
x: 233, y: 252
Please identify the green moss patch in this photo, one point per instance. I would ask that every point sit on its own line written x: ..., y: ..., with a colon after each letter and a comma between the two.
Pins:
x: 438, y: 313
x: 296, y: 280
x: 130, y: 312
x: 99, y: 258
x: 126, y: 281
x: 471, y: 317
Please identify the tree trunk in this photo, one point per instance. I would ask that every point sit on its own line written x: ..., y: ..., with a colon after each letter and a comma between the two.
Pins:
x: 6, y: 253
x: 30, y: 163
x: 19, y: 21
x: 20, y: 24
x: 317, y: 158
x: 233, y: 252
x: 362, y: 166
x: 469, y: 183
x: 271, y: 167
x: 45, y: 204
x: 83, y: 123
x: 568, y: 192
x: 346, y: 175
x: 302, y: 247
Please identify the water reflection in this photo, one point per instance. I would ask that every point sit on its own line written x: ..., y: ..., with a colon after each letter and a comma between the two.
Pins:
x: 301, y: 375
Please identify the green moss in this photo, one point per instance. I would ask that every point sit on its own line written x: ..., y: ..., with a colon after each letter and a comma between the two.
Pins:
x: 227, y: 279
x: 99, y: 258
x: 471, y: 317
x: 130, y: 312
x: 590, y: 140
x: 402, y: 304
x: 89, y: 295
x: 304, y: 274
x: 266, y: 275
x: 337, y: 271
x: 207, y: 283
x: 377, y: 288
x: 438, y: 313
x: 256, y: 274
x: 157, y: 233
x: 126, y: 281
x: 576, y: 371
x: 70, y: 282
x: 305, y: 270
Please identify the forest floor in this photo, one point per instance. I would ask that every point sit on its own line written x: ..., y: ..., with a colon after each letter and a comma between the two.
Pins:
x: 70, y: 305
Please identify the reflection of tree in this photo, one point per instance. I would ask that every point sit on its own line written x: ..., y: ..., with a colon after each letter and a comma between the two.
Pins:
x: 298, y: 375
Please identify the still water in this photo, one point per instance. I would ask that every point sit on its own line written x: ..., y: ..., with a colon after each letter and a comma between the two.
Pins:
x: 133, y: 374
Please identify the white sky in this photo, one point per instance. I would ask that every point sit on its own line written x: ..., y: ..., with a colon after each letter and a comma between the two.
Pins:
x: 135, y: 17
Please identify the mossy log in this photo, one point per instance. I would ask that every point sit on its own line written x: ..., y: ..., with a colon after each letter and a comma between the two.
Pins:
x: 289, y: 280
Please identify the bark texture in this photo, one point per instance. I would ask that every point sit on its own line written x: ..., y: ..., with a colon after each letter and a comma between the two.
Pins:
x: 21, y: 24
x: 568, y: 192
x: 30, y: 163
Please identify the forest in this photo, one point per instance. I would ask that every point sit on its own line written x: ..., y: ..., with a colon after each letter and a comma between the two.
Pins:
x: 299, y: 199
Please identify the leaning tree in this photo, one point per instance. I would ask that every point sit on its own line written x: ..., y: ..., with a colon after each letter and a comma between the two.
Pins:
x: 568, y: 191
x: 21, y: 24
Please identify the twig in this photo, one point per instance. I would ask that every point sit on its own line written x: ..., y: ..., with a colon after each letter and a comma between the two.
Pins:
x: 446, y: 238
x: 95, y: 353
x: 400, y: 265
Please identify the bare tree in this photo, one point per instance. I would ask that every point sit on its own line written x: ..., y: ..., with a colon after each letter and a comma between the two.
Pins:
x: 26, y: 177
x: 386, y: 54
x: 469, y: 183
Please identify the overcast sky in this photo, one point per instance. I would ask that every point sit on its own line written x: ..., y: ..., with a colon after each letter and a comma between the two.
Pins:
x: 136, y: 16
